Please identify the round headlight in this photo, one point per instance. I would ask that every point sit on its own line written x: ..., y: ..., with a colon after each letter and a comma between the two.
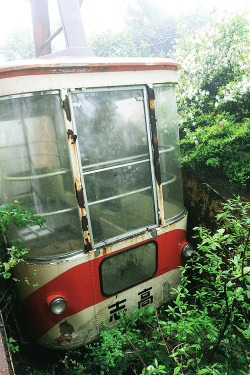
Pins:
x: 58, y: 305
x: 187, y: 251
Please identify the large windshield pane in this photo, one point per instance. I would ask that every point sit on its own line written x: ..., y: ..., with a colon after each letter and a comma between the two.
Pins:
x: 113, y: 142
x: 35, y: 170
x: 168, y: 137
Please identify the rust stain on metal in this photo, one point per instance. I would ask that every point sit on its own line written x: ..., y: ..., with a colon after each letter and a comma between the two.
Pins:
x: 155, y: 138
x: 78, y: 184
x: 104, y: 252
x: 152, y: 104
x: 85, y: 224
x: 66, y: 331
x: 156, y: 155
x: 88, y: 245
x: 71, y: 136
x: 161, y: 205
x: 79, y: 196
x: 66, y: 108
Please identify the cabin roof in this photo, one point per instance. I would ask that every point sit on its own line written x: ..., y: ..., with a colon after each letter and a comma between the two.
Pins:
x: 84, y: 65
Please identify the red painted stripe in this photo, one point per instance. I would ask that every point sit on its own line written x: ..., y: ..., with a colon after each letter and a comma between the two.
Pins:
x: 80, y: 285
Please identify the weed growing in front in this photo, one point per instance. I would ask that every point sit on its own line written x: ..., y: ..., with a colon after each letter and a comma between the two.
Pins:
x: 11, y: 255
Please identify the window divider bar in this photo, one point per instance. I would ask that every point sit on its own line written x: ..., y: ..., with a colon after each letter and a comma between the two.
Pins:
x: 113, y: 161
x: 120, y: 196
x: 171, y: 148
x: 115, y: 167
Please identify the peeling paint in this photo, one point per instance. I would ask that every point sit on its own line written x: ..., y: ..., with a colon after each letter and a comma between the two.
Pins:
x: 66, y: 331
x: 66, y: 108
x: 71, y: 136
x: 79, y: 197
x: 84, y: 223
x: 87, y: 243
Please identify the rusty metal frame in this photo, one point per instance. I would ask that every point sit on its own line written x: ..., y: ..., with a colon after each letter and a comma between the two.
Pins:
x: 156, y: 155
x: 148, y: 134
x: 75, y: 169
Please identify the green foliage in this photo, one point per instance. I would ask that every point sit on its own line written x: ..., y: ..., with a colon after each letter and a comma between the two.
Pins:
x: 157, y: 29
x: 12, y: 345
x: 115, y: 352
x: 148, y: 32
x: 10, y: 257
x: 213, y: 97
x: 19, y: 45
x: 215, y: 70
x: 208, y: 317
x: 206, y: 328
x: 118, y: 44
x: 222, y: 145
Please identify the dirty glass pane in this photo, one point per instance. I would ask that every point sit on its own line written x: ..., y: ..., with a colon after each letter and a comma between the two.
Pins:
x: 110, y: 127
x: 168, y: 137
x: 113, y: 142
x: 35, y: 170
x: 117, y: 181
x: 127, y: 268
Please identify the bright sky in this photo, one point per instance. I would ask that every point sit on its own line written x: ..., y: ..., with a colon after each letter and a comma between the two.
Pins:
x: 100, y: 15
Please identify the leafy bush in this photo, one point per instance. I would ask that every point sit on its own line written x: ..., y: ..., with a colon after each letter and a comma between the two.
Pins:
x: 222, y: 145
x: 16, y: 214
x: 213, y: 97
x: 211, y: 318
x: 121, y: 349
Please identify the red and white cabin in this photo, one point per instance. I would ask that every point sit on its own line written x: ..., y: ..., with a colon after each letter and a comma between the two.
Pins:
x: 91, y: 146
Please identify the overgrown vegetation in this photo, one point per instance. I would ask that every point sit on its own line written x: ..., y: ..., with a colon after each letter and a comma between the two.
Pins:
x: 214, y: 97
x: 13, y: 213
x: 214, y: 86
x: 11, y: 255
x: 205, y: 330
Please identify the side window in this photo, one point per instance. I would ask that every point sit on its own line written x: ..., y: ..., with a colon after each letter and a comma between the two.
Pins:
x: 113, y: 141
x: 168, y: 137
x: 36, y: 171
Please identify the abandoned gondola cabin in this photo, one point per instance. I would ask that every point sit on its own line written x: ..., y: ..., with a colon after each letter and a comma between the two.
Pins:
x: 91, y: 146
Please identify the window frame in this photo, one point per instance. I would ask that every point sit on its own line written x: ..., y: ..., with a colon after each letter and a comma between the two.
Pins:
x: 122, y: 252
x: 145, y: 101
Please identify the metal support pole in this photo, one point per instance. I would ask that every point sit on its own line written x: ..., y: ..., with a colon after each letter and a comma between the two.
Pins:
x: 41, y: 27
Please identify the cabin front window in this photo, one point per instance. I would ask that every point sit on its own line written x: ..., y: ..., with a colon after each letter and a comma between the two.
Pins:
x: 115, y: 158
x: 113, y: 137
x: 36, y: 171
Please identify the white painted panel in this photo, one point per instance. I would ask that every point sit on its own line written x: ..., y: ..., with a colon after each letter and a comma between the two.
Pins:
x: 23, y: 84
